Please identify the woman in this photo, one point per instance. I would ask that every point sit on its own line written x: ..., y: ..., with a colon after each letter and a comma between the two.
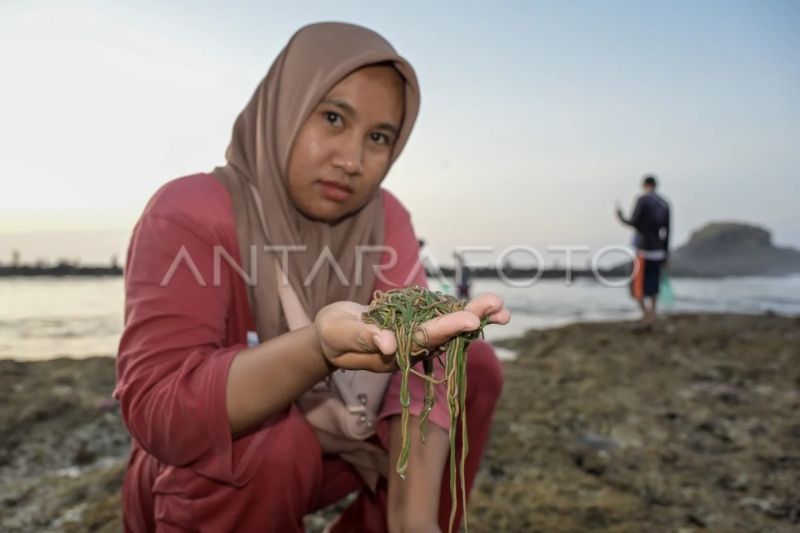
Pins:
x: 219, y: 443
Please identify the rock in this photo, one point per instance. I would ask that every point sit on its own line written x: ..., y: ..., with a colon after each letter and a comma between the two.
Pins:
x: 733, y: 249
x: 696, y: 519
x: 738, y: 483
x: 597, y: 443
x: 591, y: 462
x: 626, y: 436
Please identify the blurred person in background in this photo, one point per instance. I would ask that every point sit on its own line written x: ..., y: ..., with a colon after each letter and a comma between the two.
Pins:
x: 651, y: 221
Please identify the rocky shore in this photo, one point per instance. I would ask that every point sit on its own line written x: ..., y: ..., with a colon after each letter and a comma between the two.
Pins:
x: 694, y: 427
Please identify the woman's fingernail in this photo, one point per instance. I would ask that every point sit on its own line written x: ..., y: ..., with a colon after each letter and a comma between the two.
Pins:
x: 377, y: 339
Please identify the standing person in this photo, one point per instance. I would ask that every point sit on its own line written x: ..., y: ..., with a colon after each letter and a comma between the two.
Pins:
x: 218, y: 440
x: 463, y: 277
x: 651, y: 220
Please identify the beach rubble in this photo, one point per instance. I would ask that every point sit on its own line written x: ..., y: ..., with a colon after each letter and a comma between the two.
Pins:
x: 694, y: 427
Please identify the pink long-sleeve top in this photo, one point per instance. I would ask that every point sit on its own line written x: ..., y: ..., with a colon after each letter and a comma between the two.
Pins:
x: 180, y: 339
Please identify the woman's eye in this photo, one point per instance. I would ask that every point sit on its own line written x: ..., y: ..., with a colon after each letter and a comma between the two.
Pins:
x: 379, y: 138
x: 333, y: 118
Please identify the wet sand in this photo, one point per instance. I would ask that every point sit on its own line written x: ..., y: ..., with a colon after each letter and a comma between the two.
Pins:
x: 693, y: 427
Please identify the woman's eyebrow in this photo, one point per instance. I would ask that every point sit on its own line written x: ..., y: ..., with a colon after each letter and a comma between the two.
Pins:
x: 350, y: 110
x: 391, y: 128
x: 341, y: 104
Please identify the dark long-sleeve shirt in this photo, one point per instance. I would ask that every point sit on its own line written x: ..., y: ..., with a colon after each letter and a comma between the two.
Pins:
x: 651, y: 219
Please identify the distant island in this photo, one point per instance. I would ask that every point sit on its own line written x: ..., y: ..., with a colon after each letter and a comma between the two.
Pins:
x: 65, y: 269
x: 718, y: 249
x: 60, y: 269
x: 733, y: 249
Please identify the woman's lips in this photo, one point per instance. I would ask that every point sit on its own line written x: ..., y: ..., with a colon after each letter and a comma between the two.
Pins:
x: 338, y: 192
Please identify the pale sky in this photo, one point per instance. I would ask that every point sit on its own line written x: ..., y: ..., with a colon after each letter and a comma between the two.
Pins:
x: 536, y: 116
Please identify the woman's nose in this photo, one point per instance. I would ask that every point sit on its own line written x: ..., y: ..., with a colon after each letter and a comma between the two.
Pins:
x: 349, y: 156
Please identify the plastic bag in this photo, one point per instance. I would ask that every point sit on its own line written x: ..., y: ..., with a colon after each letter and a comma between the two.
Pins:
x: 665, y: 294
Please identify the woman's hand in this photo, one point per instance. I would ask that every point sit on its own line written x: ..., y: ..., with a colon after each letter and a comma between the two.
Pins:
x: 350, y: 343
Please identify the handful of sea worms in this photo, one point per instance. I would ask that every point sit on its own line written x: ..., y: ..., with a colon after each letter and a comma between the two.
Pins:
x: 403, y: 311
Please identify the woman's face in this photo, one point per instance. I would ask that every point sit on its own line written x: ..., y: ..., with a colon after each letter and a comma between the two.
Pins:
x: 343, y: 150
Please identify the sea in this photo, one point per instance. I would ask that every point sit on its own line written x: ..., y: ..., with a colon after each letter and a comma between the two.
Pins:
x: 44, y: 318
